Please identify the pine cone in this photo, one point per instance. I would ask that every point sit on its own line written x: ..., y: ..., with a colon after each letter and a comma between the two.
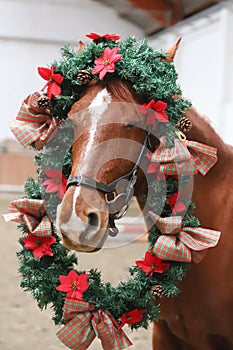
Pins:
x: 184, y: 124
x: 84, y: 76
x: 43, y: 102
x: 157, y: 291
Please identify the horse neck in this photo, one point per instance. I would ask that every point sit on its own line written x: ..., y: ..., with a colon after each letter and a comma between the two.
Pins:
x: 203, y: 132
x: 213, y: 193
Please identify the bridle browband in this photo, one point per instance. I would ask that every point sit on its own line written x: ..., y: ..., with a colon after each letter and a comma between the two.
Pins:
x: 118, y: 202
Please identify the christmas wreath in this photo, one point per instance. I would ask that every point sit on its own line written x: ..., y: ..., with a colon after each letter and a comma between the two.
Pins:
x: 85, y: 305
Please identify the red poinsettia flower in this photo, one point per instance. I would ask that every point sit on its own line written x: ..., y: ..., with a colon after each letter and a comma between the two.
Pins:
x: 56, y: 182
x: 105, y: 63
x: 176, y: 205
x: 131, y: 317
x: 40, y: 246
x: 151, y: 264
x: 159, y: 114
x: 54, y: 81
x: 73, y: 284
x: 95, y: 36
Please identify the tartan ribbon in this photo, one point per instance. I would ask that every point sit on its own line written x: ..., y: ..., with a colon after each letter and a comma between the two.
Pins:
x: 205, y: 156
x: 179, y: 243
x: 174, y: 161
x: 32, y: 124
x: 30, y: 212
x: 185, y: 158
x: 83, y: 324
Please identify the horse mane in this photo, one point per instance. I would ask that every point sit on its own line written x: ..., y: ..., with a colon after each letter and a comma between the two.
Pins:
x: 202, y: 131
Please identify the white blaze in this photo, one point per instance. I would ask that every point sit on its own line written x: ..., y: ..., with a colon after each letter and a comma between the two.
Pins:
x: 101, y: 102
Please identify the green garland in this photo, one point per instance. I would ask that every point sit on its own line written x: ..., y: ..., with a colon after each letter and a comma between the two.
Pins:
x: 155, y: 78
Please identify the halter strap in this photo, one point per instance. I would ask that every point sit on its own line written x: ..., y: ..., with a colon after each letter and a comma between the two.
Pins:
x: 87, y: 182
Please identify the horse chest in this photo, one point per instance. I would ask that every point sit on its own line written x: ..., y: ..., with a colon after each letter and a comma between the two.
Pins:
x: 201, y: 312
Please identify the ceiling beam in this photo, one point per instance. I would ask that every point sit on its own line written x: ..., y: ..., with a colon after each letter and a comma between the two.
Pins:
x: 166, y: 12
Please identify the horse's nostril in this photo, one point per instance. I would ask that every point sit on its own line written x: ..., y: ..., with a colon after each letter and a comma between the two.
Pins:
x: 92, y: 225
x: 93, y: 219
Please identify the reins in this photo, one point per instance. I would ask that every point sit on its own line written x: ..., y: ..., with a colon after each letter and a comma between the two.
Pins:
x: 118, y: 202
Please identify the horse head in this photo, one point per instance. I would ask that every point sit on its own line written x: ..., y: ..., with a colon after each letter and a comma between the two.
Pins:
x: 108, y: 133
x: 107, y: 166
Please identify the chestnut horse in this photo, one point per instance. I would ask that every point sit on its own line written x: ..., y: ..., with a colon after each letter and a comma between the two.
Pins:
x: 200, y: 318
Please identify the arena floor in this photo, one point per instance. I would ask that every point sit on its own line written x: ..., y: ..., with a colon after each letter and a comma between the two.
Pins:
x: 22, y: 325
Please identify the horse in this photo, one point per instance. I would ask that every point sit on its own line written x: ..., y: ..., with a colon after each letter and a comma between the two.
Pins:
x: 200, y: 318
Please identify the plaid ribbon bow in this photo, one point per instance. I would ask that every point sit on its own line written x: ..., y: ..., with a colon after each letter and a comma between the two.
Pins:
x: 205, y: 156
x: 33, y: 125
x: 179, y: 160
x: 30, y: 212
x: 83, y: 324
x: 173, y: 161
x: 179, y: 243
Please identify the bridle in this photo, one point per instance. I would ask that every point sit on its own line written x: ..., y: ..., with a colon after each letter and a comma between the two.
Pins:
x: 118, y: 202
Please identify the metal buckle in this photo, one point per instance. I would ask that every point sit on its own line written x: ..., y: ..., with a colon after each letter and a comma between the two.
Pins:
x: 181, y: 135
x: 122, y: 212
x: 112, y: 199
x: 133, y: 180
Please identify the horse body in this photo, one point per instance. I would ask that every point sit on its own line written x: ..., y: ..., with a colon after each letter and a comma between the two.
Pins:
x: 199, y: 318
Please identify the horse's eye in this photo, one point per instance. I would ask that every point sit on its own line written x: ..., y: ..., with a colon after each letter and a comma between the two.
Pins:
x: 132, y: 124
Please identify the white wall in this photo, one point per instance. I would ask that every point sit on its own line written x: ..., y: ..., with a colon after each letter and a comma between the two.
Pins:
x: 31, y: 34
x: 204, y: 62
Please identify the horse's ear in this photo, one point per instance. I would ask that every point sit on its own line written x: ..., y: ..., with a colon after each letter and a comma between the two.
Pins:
x: 170, y: 53
x: 81, y: 46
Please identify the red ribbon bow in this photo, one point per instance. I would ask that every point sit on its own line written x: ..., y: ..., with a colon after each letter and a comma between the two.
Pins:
x: 30, y: 212
x: 155, y: 111
x: 83, y: 324
x: 179, y: 243
x: 33, y: 125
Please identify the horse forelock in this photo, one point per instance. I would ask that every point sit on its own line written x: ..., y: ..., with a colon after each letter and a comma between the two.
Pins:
x: 120, y: 91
